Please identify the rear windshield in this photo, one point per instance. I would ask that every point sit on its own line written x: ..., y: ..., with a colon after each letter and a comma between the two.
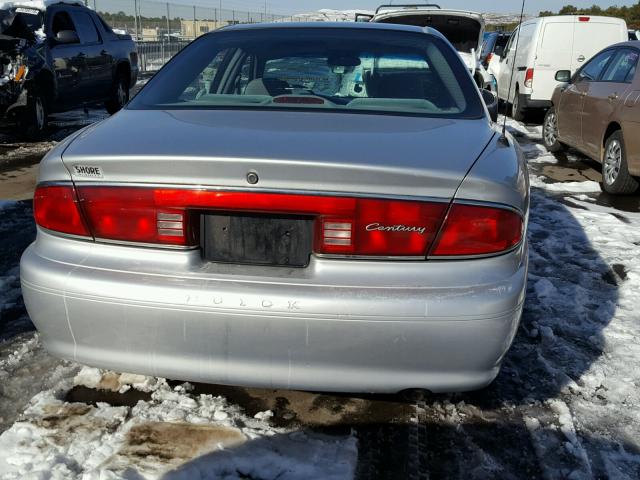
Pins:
x: 375, y: 71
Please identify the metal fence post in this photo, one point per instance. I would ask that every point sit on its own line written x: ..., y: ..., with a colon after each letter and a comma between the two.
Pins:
x: 168, y: 25
x: 135, y: 18
x: 194, y: 22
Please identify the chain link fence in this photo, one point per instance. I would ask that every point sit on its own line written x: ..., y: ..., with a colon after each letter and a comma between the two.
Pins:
x: 161, y: 29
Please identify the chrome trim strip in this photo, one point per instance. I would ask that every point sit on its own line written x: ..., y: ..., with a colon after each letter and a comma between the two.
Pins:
x: 367, y: 257
x: 219, y: 188
x: 161, y: 246
x: 147, y: 245
x: 473, y: 257
x: 55, y: 183
x: 70, y: 236
x: 480, y: 203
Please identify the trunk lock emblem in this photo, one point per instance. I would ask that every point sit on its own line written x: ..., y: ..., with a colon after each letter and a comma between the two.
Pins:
x: 252, y: 178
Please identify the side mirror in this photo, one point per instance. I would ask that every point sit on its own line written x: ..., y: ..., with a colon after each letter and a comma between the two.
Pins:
x: 67, y: 36
x: 563, y: 76
x: 491, y: 101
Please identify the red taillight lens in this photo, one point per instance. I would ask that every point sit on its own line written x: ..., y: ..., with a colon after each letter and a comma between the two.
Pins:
x: 584, y: 19
x: 135, y: 215
x: 528, y: 78
x: 381, y: 228
x: 489, y: 57
x: 56, y: 208
x: 344, y: 225
x: 476, y: 230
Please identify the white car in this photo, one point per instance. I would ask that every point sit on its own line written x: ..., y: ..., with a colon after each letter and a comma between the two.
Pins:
x: 545, y: 46
x: 463, y: 29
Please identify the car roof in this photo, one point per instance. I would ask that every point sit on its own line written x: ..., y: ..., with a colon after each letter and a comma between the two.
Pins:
x: 339, y: 25
x: 629, y: 43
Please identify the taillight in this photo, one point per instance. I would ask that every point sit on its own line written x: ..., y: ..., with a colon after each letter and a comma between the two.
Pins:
x: 55, y: 208
x: 350, y: 226
x: 343, y: 225
x: 528, y: 78
x: 478, y: 230
x: 380, y: 228
x: 584, y: 19
x: 489, y: 57
x: 135, y: 215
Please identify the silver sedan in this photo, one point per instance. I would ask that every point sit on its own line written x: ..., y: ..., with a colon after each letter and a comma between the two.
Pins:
x: 312, y: 206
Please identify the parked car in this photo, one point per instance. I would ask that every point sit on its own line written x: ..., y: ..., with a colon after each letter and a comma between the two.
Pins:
x: 57, y: 56
x: 493, y: 46
x: 251, y: 217
x: 595, y: 111
x: 462, y: 28
x: 633, y: 35
x: 546, y: 45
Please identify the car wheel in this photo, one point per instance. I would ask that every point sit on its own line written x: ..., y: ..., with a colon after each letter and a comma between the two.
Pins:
x: 615, y: 174
x: 34, y: 120
x: 119, y: 96
x: 550, y: 132
x: 517, y: 108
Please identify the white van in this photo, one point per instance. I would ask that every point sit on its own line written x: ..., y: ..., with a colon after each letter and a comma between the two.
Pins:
x: 546, y: 45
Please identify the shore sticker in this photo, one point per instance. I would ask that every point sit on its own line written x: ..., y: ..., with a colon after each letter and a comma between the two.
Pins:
x: 87, y: 171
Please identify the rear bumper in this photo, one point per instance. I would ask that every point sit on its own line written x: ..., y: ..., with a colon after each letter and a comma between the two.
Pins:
x: 334, y: 326
x: 528, y: 102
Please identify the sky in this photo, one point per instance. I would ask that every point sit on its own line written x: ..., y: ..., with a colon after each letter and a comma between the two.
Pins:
x: 493, y: 6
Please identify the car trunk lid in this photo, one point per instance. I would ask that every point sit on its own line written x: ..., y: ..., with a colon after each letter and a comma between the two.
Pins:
x: 303, y: 151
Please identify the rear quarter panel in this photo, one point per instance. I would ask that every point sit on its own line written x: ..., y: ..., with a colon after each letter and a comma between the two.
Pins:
x: 499, y: 176
x: 628, y: 114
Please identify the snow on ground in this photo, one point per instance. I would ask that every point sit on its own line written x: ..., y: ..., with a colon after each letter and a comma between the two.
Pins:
x: 16, y: 232
x: 173, y: 435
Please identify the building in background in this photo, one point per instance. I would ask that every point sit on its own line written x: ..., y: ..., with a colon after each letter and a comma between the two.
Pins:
x: 195, y: 28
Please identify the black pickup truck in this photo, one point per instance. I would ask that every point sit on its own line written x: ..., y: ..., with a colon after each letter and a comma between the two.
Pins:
x: 57, y: 56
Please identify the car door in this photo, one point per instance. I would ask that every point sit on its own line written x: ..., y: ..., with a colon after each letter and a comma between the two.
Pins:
x: 571, y: 103
x: 604, y: 96
x: 506, y: 67
x: 68, y: 60
x: 95, y: 84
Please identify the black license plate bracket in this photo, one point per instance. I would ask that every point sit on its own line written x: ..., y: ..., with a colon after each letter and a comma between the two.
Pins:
x: 256, y: 239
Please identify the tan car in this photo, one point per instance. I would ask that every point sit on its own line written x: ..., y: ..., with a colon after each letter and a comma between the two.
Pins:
x: 597, y: 111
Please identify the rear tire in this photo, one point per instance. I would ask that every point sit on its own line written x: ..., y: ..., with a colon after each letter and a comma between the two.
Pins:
x: 616, y: 178
x: 518, y: 112
x: 550, y: 132
x: 119, y: 95
x: 34, y: 120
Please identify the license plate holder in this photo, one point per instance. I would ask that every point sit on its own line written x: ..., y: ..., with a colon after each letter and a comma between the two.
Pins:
x: 256, y: 239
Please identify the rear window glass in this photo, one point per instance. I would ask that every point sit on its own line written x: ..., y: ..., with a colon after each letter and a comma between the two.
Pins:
x: 317, y: 68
